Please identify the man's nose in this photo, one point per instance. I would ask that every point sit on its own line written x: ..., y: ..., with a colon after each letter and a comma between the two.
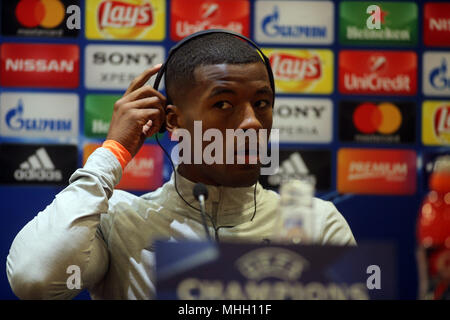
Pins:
x: 249, y: 119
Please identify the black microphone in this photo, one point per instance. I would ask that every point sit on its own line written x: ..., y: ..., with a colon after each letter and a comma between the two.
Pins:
x: 201, y: 194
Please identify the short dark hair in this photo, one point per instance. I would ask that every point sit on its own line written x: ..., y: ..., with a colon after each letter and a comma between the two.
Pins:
x: 209, y: 49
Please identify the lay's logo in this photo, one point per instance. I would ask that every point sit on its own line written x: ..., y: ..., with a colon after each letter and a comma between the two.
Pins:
x: 442, y: 121
x: 436, y: 123
x: 125, y: 19
x: 289, y: 67
x: 302, y: 71
x: 117, y: 14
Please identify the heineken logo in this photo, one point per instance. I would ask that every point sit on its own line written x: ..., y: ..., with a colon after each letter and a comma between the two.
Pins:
x: 382, y: 23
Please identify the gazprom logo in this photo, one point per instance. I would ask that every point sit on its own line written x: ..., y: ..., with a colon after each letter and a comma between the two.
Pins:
x: 439, y: 77
x: 272, y: 27
x: 16, y: 121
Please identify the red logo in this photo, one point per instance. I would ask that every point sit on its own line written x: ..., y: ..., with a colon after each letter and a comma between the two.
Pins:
x: 436, y: 25
x: 370, y: 118
x: 117, y: 14
x: 290, y: 67
x: 39, y: 65
x: 44, y: 13
x: 441, y: 121
x: 376, y: 171
x: 188, y: 17
x: 378, y: 72
x: 144, y: 172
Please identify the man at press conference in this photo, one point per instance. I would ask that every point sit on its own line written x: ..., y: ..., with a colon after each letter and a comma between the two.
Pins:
x: 215, y: 78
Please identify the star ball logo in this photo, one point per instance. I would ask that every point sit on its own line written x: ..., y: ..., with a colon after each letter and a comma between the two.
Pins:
x: 41, y: 18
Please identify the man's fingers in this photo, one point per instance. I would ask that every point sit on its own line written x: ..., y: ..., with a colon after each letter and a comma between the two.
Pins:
x: 146, y: 129
x: 142, y: 92
x: 140, y: 80
x: 152, y: 118
x: 144, y: 103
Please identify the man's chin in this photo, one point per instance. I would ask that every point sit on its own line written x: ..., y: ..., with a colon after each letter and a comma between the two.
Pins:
x: 242, y: 175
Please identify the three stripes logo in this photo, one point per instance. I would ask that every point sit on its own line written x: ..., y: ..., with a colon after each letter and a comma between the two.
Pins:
x: 292, y: 168
x: 46, y: 164
x: 38, y: 167
x: 301, y: 164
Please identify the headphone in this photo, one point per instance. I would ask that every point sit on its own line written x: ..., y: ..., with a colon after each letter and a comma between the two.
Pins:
x: 158, y: 78
x: 174, y: 49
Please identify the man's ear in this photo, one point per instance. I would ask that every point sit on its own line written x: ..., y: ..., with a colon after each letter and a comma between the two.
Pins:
x: 173, y: 118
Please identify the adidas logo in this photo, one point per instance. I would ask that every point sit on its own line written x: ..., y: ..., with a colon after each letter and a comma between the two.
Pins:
x: 292, y: 168
x: 38, y: 167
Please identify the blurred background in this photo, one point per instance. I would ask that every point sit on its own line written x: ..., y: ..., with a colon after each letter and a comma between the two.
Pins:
x: 363, y: 100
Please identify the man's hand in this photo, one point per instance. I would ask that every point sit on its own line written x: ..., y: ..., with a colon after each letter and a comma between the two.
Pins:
x: 138, y: 114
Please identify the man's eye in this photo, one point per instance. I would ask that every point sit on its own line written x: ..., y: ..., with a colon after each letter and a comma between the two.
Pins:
x: 261, y: 104
x: 223, y: 105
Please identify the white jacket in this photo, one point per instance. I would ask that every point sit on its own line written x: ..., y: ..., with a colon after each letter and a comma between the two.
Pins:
x: 109, y: 235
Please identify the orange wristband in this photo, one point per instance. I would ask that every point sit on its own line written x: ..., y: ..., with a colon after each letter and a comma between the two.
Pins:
x: 119, y: 151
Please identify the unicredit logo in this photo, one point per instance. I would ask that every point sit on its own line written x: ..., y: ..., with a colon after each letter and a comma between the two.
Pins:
x: 192, y: 16
x: 44, y: 13
x: 208, y: 10
x: 38, y: 167
x: 117, y: 14
x: 442, y: 121
x: 290, y: 67
x: 374, y: 82
x: 364, y: 72
x: 370, y: 118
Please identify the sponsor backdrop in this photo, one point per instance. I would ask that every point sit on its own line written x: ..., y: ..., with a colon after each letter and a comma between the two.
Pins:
x: 363, y: 99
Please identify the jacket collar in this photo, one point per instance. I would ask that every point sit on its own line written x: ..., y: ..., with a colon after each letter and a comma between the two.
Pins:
x: 227, y: 206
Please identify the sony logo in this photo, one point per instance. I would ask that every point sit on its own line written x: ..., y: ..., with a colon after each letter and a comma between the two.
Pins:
x: 297, y: 111
x: 119, y: 58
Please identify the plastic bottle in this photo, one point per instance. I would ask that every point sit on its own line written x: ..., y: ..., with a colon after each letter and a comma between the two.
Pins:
x: 296, y: 209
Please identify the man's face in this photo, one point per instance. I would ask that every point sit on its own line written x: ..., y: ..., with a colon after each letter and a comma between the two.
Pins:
x: 228, y: 96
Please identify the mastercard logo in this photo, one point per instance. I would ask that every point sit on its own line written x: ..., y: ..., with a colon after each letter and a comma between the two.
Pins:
x: 44, y: 13
x: 384, y: 118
